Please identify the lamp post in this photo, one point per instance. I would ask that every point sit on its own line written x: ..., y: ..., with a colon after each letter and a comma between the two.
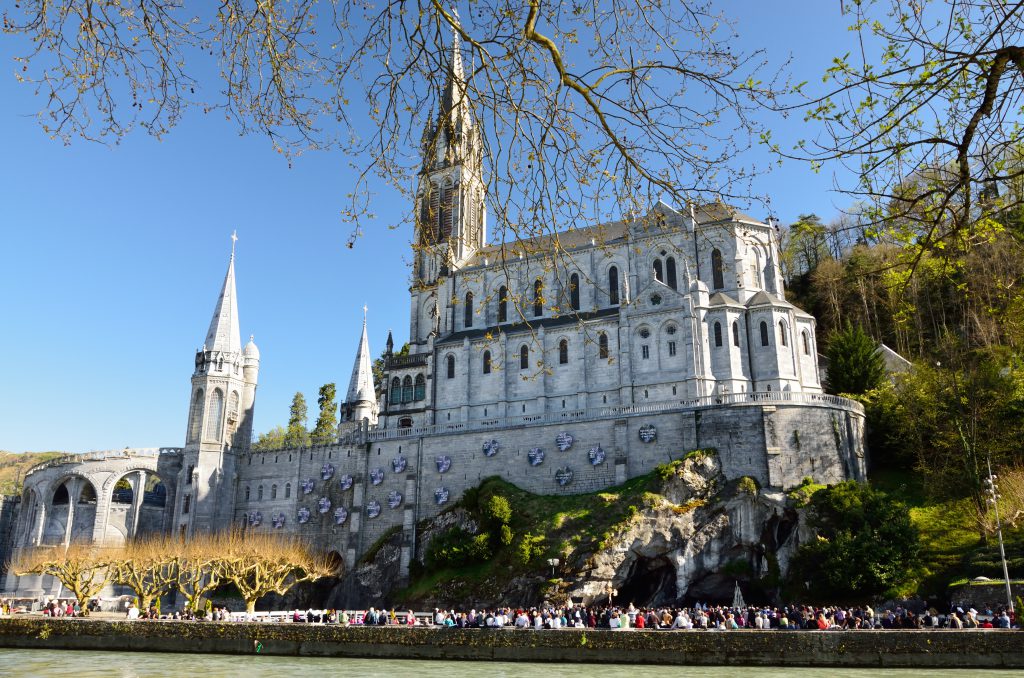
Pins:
x: 992, y: 490
x: 553, y: 562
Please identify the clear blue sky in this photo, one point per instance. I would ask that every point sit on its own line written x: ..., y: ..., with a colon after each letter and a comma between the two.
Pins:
x: 111, y: 258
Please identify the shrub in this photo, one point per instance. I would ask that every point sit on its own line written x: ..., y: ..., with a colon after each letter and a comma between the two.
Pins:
x: 530, y: 547
x: 747, y: 485
x: 498, y: 511
x: 457, y: 548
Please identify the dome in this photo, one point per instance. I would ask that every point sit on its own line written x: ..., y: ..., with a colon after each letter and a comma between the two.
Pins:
x: 250, y: 350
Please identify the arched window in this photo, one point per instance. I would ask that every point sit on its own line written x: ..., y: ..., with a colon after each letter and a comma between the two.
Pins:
x: 735, y: 333
x: 659, y: 271
x: 764, y: 333
x: 287, y: 490
x: 259, y: 493
x: 451, y: 366
x: 404, y: 422
x: 61, y: 496
x: 574, y: 292
x: 502, y: 304
x: 782, y: 333
x: 613, y: 286
x: 87, y: 495
x: 487, y: 362
x: 215, y: 415
x: 563, y: 352
x: 524, y: 357
x: 196, y: 421
x: 716, y: 270
x: 807, y: 342
x: 538, y: 298
x: 602, y: 346
x: 718, y: 333
x: 233, y: 409
x: 407, y: 389
x: 247, y: 491
x: 670, y: 273
x: 396, y: 390
x: 467, y: 320
x: 421, y: 388
x: 273, y: 491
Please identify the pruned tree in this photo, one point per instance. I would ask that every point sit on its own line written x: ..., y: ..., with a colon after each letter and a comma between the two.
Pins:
x: 83, y: 569
x: 199, y: 569
x: 148, y: 566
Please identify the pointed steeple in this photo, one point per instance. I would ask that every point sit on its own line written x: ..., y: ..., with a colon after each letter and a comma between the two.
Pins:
x: 360, y: 388
x: 223, y: 334
x: 454, y: 103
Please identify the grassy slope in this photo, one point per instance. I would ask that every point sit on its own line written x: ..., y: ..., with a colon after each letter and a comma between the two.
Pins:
x: 13, y: 466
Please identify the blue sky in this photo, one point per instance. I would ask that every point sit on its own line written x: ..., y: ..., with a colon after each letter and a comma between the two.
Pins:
x: 111, y: 258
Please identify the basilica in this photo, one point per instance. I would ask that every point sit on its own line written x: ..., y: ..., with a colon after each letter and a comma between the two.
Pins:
x: 565, y: 363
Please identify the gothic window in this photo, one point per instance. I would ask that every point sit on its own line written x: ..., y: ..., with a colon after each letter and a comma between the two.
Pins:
x: 247, y: 491
x: 273, y: 491
x: 670, y: 272
x: 191, y: 470
x: 448, y: 194
x: 421, y: 387
x: 215, y: 416
x: 468, y: 319
x: 451, y: 366
x: 574, y: 292
x: 613, y: 286
x: 233, y: 410
x: 602, y: 346
x: 735, y: 333
x: 659, y: 271
x: 186, y: 504
x: 196, y: 420
x: 524, y: 357
x: 806, y: 342
x: 716, y: 270
x: 538, y: 298
x: 502, y: 304
x: 563, y: 352
x: 487, y: 362
x: 645, y: 351
x: 782, y: 333
x: 259, y: 493
x: 764, y: 333
x: 407, y: 389
x: 287, y: 490
x: 396, y: 390
x: 671, y: 348
x: 718, y: 334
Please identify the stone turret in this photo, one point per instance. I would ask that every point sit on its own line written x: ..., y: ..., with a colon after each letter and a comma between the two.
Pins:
x: 361, y: 400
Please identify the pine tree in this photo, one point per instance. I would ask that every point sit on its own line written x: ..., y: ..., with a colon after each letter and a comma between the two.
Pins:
x: 327, y: 423
x: 297, y: 435
x: 855, y: 365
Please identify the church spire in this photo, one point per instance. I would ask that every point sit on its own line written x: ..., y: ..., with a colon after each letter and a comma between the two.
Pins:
x: 454, y: 103
x: 223, y: 334
x: 361, y: 400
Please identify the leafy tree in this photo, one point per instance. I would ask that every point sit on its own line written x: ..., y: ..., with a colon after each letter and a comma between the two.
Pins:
x: 274, y: 439
x: 865, y: 545
x: 326, y: 428
x: 297, y: 435
x: 855, y: 365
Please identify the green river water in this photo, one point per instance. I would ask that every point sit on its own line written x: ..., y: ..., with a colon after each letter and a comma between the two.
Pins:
x: 74, y: 664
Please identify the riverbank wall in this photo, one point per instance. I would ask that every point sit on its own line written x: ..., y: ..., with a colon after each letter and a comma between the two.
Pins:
x: 917, y: 649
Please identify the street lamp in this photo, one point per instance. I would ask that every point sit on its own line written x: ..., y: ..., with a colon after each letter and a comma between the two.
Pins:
x: 992, y: 490
x: 553, y: 562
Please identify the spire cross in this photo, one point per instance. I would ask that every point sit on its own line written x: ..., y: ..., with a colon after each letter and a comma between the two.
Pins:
x: 234, y: 239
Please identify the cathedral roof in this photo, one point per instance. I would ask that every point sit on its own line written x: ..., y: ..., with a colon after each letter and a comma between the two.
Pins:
x: 722, y: 299
x: 360, y: 388
x: 223, y: 334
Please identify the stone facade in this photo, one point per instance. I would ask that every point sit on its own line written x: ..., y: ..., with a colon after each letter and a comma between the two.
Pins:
x: 564, y: 369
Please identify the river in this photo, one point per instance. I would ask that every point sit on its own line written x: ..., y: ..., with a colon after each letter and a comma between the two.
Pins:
x: 65, y: 663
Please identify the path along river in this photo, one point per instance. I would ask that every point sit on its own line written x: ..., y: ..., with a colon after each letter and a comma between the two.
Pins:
x: 71, y: 663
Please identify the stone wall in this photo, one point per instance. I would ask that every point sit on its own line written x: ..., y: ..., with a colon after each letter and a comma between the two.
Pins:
x: 868, y: 649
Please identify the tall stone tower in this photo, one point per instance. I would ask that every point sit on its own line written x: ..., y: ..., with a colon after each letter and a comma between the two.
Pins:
x: 361, y: 400
x: 220, y: 419
x: 450, y: 210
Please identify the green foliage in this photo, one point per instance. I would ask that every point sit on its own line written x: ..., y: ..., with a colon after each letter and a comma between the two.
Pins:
x: 326, y: 428
x: 801, y: 495
x: 498, y: 511
x: 529, y: 549
x: 274, y: 439
x: 854, y: 364
x: 505, y: 535
x: 458, y: 548
x: 747, y: 485
x: 866, y: 545
x: 13, y: 466
x: 378, y: 367
x: 297, y: 435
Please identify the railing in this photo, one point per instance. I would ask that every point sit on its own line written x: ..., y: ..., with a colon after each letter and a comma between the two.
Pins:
x: 731, y: 399
x: 101, y: 455
x: 417, y: 360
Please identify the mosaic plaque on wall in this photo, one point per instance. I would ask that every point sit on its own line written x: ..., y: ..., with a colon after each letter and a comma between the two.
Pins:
x: 648, y: 433
x: 596, y: 455
x: 564, y: 441
x: 303, y: 515
x: 441, y: 495
x: 444, y: 462
x: 535, y: 456
x: 398, y: 464
x: 563, y: 476
x: 491, y: 448
x: 278, y: 520
x: 326, y: 471
x: 345, y: 482
x: 323, y: 505
x: 255, y: 518
x: 340, y: 515
x: 394, y: 499
x: 377, y: 476
x: 307, y: 486
x: 373, y: 508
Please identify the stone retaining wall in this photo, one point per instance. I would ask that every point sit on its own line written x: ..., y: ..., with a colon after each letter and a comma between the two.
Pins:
x: 918, y: 649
